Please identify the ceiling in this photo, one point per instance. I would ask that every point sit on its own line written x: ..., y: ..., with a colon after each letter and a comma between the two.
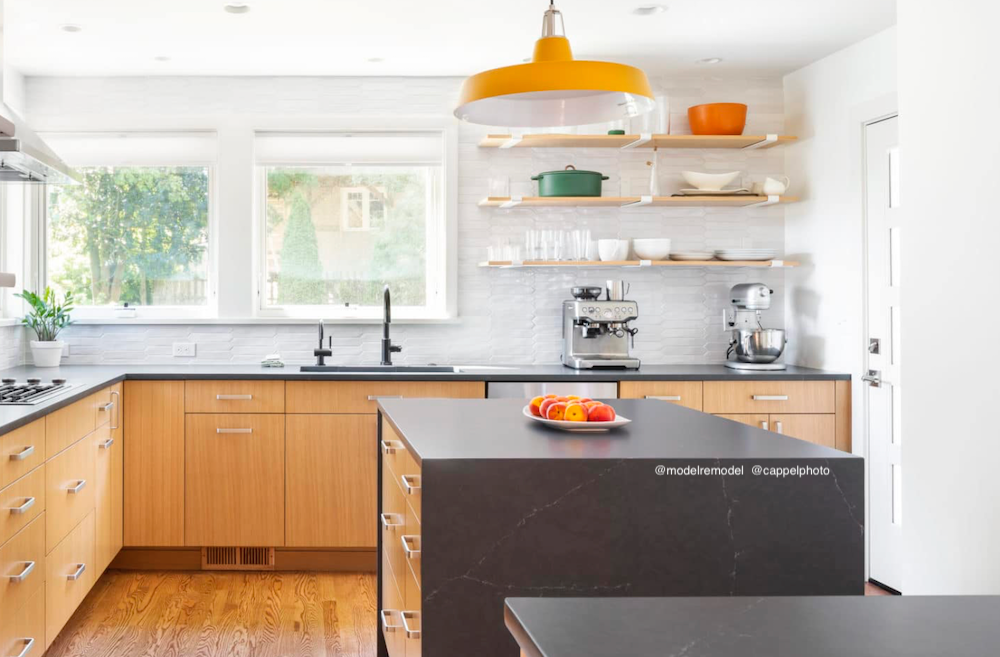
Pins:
x: 422, y: 37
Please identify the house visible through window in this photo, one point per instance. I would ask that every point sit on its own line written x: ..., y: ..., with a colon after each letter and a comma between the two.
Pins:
x: 347, y: 214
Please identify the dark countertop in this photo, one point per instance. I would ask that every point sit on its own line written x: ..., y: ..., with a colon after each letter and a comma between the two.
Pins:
x: 455, y: 429
x: 877, y: 626
x: 89, y: 378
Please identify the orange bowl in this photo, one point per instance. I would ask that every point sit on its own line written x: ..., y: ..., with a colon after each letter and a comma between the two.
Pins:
x: 718, y: 119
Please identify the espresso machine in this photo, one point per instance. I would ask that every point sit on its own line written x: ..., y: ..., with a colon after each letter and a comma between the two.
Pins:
x: 755, y: 347
x: 596, y: 332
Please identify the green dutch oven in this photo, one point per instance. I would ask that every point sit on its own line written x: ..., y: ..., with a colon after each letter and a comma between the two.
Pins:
x: 569, y: 182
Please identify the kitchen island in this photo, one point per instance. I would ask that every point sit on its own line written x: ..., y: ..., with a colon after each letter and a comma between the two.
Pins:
x: 478, y: 504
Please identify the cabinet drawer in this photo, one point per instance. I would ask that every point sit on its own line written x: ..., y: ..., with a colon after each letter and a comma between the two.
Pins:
x: 769, y: 397
x: 69, y: 574
x: 68, y: 425
x: 411, y: 546
x: 759, y: 420
x: 21, y: 502
x: 819, y: 429
x: 69, y: 490
x: 361, y: 396
x: 23, y: 632
x: 22, y: 567
x: 234, y: 492
x: 392, y: 523
x: 21, y: 451
x: 682, y: 393
x: 234, y: 396
x: 105, y: 406
x: 411, y: 482
x: 390, y: 620
x: 393, y: 451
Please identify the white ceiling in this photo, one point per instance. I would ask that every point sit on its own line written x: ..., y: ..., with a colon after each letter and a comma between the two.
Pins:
x: 422, y: 37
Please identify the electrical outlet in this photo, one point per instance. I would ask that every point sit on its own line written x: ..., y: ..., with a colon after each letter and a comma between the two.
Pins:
x: 183, y: 349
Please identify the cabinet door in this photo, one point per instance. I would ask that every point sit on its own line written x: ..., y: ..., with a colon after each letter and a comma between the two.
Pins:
x: 682, y: 393
x: 117, y: 472
x: 819, y: 429
x: 759, y: 420
x: 234, y: 492
x: 102, y: 443
x: 331, y: 481
x: 70, y: 488
x: 154, y: 463
x: 69, y: 576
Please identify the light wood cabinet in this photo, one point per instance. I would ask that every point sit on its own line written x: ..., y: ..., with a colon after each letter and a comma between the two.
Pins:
x: 761, y: 421
x: 69, y: 576
x: 362, y: 396
x: 813, y: 428
x: 21, y: 451
x: 234, y: 480
x: 69, y: 424
x: 214, y: 396
x: 70, y: 487
x: 107, y: 444
x: 153, y: 494
x: 682, y: 393
x: 22, y: 567
x: 769, y: 397
x: 21, y: 502
x: 331, y: 481
x: 23, y: 631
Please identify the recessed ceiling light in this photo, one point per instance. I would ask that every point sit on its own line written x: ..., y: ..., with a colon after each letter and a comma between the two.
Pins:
x: 236, y: 7
x: 162, y: 58
x: 72, y: 28
x: 709, y: 60
x: 649, y: 10
x: 375, y: 60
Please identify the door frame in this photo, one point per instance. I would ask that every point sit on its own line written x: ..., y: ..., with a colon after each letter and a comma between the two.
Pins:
x: 864, y: 115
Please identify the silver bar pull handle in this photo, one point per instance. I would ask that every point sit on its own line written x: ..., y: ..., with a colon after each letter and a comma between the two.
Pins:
x: 107, y: 443
x: 412, y: 632
x: 411, y: 545
x: 116, y: 423
x: 107, y: 407
x: 388, y: 627
x: 234, y: 397
x: 234, y: 431
x: 411, y: 483
x: 391, y: 520
x: 770, y: 397
x: 28, y: 503
x: 390, y: 446
x: 23, y: 575
x: 378, y: 397
x: 764, y: 425
x: 23, y: 454
x: 72, y: 490
x: 664, y: 397
x: 29, y: 643
x: 777, y: 427
x: 75, y: 575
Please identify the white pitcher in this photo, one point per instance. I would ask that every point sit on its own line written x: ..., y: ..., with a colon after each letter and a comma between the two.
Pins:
x: 775, y: 186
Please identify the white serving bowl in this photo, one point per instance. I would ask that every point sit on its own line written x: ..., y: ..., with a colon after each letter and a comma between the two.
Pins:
x: 710, y: 182
x: 612, y: 250
x: 652, y: 248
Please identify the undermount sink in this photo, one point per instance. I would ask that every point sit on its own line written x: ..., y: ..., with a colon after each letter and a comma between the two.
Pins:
x: 378, y: 369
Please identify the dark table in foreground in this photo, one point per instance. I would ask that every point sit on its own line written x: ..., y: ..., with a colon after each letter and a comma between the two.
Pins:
x: 671, y: 505
x: 878, y: 626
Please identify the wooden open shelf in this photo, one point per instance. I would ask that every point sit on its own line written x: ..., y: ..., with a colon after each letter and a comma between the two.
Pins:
x: 639, y: 263
x: 635, y: 141
x: 632, y: 201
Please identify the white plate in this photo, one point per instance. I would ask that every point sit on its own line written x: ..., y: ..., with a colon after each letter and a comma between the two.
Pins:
x: 741, y: 191
x: 747, y: 256
x: 692, y: 255
x: 578, y: 427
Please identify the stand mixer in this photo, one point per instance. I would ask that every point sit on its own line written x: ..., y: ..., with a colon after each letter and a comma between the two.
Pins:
x: 596, y: 332
x: 756, y: 347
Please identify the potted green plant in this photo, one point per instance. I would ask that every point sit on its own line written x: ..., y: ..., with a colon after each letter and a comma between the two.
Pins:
x: 46, y: 319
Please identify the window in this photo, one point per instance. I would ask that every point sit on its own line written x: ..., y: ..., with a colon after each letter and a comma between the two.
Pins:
x: 136, y: 232
x: 345, y: 214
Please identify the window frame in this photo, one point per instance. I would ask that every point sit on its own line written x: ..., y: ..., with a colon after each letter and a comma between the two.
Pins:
x: 39, y: 217
x: 445, y: 287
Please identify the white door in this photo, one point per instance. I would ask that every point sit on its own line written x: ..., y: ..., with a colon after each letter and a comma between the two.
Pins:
x: 882, y: 384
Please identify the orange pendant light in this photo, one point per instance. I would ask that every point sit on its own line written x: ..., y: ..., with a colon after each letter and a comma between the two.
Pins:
x: 554, y: 89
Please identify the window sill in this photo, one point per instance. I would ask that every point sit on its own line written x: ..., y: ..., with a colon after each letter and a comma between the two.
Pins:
x: 9, y: 321
x: 139, y: 321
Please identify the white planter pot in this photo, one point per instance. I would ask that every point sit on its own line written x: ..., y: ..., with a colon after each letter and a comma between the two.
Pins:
x: 47, y: 354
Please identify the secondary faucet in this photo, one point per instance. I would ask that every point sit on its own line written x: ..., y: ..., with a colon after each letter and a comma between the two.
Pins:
x: 320, y: 353
x: 388, y: 349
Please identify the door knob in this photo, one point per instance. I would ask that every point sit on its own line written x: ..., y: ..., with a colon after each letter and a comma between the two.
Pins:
x: 873, y: 378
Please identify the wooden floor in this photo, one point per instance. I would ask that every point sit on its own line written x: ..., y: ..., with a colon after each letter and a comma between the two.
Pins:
x: 203, y: 614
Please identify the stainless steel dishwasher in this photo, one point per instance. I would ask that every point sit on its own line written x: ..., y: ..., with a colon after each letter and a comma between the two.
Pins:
x: 529, y: 389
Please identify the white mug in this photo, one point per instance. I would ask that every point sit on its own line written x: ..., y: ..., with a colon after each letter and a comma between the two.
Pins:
x: 612, y: 250
x: 775, y: 186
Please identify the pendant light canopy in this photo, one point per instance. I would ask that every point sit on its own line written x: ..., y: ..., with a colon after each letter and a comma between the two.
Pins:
x: 554, y: 89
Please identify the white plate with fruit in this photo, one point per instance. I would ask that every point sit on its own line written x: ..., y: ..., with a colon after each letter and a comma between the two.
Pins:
x: 578, y: 414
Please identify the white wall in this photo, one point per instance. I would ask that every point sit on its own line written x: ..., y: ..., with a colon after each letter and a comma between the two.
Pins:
x: 825, y: 105
x: 505, y: 316
x: 949, y: 98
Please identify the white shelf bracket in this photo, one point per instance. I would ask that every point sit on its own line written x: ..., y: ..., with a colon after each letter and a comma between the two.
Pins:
x: 772, y: 199
x: 777, y: 263
x: 512, y: 203
x: 514, y: 140
x: 643, y: 200
x: 768, y: 140
x: 644, y: 138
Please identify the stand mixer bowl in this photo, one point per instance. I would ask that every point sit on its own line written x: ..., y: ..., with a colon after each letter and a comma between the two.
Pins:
x: 758, y: 345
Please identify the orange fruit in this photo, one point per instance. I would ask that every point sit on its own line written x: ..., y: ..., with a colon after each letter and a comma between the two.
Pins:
x: 556, y: 411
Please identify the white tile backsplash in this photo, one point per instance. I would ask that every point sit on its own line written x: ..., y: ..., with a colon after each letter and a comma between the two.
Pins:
x: 506, y: 316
